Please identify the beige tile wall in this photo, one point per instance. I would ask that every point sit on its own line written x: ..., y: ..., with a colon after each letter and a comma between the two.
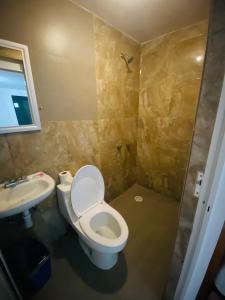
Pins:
x: 169, y: 87
x: 117, y: 106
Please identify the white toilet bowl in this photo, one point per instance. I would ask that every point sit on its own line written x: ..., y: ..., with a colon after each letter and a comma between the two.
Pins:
x: 102, y: 231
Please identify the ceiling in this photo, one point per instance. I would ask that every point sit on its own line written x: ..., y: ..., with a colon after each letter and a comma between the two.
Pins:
x: 146, y: 19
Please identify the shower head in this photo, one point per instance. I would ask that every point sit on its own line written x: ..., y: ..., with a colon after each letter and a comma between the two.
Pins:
x: 128, y: 59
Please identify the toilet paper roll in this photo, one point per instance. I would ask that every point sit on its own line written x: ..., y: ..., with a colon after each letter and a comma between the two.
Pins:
x: 65, y: 177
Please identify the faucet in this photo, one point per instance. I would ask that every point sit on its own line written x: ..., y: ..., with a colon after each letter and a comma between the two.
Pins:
x: 14, y: 182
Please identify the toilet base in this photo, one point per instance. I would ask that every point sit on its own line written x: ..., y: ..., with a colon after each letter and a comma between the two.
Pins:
x: 104, y: 261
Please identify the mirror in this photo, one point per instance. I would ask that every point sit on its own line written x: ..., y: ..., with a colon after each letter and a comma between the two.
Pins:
x: 18, y: 105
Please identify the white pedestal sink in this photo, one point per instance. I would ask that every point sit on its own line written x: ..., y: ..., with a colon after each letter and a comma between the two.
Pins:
x: 20, y: 198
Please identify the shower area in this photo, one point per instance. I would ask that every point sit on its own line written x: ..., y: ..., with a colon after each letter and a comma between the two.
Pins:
x: 147, y: 97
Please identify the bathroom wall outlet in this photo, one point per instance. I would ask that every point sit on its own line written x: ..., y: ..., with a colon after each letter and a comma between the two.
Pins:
x: 198, y: 184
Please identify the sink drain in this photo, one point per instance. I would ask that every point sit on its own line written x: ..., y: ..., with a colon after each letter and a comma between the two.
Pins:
x: 138, y: 198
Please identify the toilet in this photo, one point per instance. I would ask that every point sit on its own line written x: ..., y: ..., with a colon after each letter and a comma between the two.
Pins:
x: 102, y: 231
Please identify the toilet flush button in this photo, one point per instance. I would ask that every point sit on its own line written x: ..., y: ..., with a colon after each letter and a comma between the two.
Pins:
x: 138, y: 198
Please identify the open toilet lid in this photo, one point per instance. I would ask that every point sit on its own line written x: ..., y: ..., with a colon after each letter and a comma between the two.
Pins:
x: 87, y: 189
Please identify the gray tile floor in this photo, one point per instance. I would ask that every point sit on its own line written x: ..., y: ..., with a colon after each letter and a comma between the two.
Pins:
x: 142, y: 269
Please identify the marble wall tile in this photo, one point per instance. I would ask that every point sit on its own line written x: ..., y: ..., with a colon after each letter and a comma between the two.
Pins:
x: 117, y: 142
x: 58, y: 146
x: 117, y: 90
x: 7, y: 170
x: 169, y: 88
x: 156, y: 154
x: 37, y: 151
x: 83, y: 141
x: 117, y: 105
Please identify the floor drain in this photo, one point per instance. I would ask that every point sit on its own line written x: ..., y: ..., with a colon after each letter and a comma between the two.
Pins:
x: 138, y: 198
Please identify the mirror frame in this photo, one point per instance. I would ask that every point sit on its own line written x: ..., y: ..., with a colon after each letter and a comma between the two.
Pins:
x: 36, y: 125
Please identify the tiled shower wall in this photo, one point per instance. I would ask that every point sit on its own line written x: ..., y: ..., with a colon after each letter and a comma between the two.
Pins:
x: 117, y: 107
x: 171, y: 69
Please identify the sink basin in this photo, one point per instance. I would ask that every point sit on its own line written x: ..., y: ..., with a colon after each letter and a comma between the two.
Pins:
x: 22, y: 197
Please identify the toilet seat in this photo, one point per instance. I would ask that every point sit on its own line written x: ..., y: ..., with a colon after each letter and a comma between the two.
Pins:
x: 118, y: 226
x: 101, y: 223
x: 87, y: 189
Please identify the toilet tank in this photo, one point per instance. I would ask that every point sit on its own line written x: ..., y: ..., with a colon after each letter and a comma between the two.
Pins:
x: 65, y: 207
